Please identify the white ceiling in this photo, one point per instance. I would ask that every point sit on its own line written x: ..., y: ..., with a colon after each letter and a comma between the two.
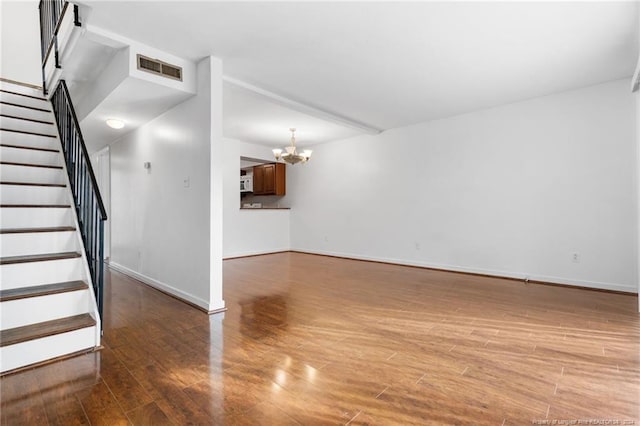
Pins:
x: 251, y: 117
x: 87, y: 62
x: 133, y: 101
x: 392, y: 64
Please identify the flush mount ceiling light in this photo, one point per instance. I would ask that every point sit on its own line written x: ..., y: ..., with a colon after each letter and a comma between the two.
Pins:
x: 114, y: 123
x: 291, y: 155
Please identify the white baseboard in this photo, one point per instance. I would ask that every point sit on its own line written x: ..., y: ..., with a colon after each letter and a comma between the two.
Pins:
x: 253, y: 253
x: 190, y: 298
x: 495, y: 273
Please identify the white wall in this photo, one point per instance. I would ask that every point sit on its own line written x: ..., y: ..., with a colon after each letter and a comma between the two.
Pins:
x: 100, y: 161
x: 20, y: 45
x: 249, y: 232
x: 159, y: 225
x: 511, y: 191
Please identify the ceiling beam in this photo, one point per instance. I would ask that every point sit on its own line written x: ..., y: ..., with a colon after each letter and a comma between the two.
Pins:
x: 304, y: 108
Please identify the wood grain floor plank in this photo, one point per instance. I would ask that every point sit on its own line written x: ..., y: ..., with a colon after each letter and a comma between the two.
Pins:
x: 66, y: 410
x: 21, y: 401
x: 317, y: 340
x: 262, y: 414
x: 182, y: 410
x: 149, y: 415
x: 125, y: 388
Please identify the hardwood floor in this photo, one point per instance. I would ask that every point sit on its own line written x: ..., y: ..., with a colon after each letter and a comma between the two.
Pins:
x: 318, y: 340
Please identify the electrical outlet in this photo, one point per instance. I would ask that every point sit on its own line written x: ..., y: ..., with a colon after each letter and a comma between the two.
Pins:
x: 417, y: 246
x: 326, y: 239
x: 186, y: 182
x: 575, y: 257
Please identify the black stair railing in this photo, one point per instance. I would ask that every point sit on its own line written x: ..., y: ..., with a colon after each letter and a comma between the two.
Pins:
x: 88, y: 202
x: 51, y: 15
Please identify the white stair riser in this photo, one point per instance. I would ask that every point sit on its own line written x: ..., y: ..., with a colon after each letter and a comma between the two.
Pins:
x: 23, y: 100
x: 20, y: 194
x: 19, y: 88
x: 27, y: 126
x: 27, y: 156
x: 27, y: 112
x: 21, y: 275
x: 17, y: 313
x: 17, y: 155
x: 11, y: 173
x: 38, y: 243
x: 35, y: 217
x: 22, y: 139
x: 33, y: 351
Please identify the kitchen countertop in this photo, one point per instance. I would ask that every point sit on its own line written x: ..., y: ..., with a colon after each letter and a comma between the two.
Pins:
x: 265, y: 208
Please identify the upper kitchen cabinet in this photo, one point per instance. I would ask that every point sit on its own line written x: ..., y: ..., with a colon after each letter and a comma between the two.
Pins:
x: 269, y: 179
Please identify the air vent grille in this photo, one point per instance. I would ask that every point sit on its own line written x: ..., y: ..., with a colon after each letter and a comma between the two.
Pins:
x: 149, y: 65
x: 160, y: 68
x: 172, y: 71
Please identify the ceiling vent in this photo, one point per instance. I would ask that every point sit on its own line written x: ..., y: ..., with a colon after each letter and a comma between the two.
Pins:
x: 157, y: 67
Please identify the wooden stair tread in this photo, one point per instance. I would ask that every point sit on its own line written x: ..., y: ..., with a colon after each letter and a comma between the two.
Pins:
x: 25, y: 132
x: 35, y: 230
x: 16, y: 335
x: 41, y: 290
x: 7, y: 145
x: 24, y: 106
x: 15, y: 117
x: 60, y: 185
x: 44, y: 166
x: 35, y: 206
x: 9, y: 260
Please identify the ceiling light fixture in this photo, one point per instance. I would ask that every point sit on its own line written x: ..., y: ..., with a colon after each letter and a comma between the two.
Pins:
x: 114, y: 123
x: 291, y: 155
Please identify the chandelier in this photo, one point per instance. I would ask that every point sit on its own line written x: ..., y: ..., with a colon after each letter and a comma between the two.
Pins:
x: 291, y: 155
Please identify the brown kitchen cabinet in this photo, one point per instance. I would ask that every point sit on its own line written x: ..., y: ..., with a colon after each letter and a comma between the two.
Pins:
x: 269, y: 179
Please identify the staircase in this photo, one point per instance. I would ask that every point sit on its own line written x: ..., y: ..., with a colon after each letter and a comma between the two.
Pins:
x: 48, y: 307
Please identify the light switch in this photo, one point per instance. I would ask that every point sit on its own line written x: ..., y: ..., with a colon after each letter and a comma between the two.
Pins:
x: 187, y: 182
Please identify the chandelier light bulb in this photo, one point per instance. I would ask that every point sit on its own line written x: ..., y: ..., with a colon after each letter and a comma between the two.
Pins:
x: 290, y: 154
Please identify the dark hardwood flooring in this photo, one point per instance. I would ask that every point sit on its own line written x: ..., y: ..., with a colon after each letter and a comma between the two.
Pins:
x: 318, y: 340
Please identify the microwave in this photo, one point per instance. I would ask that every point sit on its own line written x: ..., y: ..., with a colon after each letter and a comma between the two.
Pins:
x: 246, y: 183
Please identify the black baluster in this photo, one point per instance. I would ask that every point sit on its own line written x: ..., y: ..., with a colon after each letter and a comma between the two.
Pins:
x: 88, y: 203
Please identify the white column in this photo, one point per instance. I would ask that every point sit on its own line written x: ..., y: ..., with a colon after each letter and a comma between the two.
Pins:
x: 216, y: 302
x: 637, y: 95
